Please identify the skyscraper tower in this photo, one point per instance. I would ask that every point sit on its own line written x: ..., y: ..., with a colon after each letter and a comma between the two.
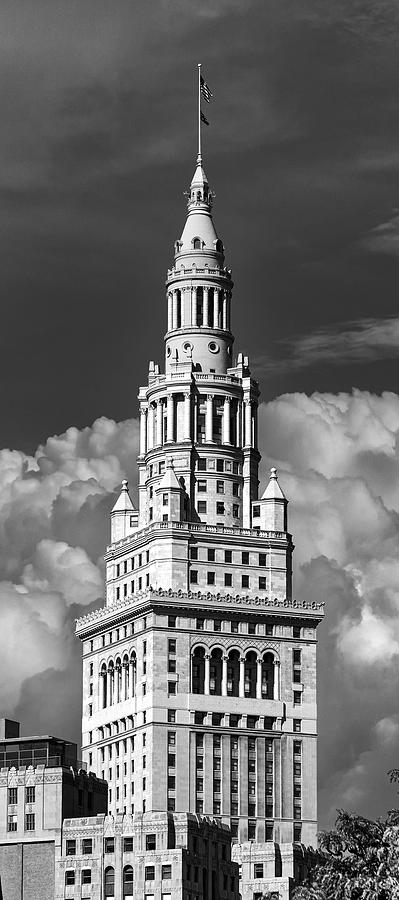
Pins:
x: 199, y: 687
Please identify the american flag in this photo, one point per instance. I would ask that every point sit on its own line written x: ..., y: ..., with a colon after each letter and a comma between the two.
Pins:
x: 203, y: 119
x: 205, y: 90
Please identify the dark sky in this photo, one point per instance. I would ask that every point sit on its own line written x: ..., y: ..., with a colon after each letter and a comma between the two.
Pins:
x: 98, y: 144
x: 97, y: 104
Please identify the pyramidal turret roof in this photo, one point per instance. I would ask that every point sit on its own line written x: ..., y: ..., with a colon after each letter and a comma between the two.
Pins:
x: 124, y: 502
x: 199, y: 222
x: 169, y: 478
x: 273, y: 490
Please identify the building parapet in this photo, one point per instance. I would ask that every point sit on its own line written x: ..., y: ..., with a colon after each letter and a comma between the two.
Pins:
x: 199, y: 527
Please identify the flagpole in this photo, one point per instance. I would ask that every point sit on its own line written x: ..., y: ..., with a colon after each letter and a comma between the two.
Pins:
x: 199, y: 157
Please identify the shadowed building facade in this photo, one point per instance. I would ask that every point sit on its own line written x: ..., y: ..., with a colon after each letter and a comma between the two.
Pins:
x: 199, y: 673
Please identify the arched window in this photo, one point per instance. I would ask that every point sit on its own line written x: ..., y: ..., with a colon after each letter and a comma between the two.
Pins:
x: 133, y: 669
x: 268, y: 676
x: 199, y: 195
x: 198, y: 670
x: 233, y: 673
x: 118, y: 680
x: 103, y: 674
x: 125, y: 665
x: 250, y: 674
x: 128, y: 881
x: 109, y: 882
x: 219, y: 246
x: 215, y: 684
x: 111, y: 698
x: 197, y: 243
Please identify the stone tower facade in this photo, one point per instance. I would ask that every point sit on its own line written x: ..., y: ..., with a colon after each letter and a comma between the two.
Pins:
x: 199, y: 673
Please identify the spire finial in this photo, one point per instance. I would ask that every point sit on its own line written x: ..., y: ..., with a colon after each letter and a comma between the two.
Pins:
x: 273, y: 472
x: 125, y: 485
x: 199, y: 156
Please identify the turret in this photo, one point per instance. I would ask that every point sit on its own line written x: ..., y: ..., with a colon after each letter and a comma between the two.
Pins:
x: 124, y: 516
x: 170, y: 496
x: 270, y: 512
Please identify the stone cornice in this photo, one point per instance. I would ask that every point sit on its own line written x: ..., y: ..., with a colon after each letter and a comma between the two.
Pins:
x: 152, y: 596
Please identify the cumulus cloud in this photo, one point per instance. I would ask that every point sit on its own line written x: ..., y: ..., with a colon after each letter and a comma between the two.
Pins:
x: 384, y: 238
x: 54, y: 526
x: 339, y: 465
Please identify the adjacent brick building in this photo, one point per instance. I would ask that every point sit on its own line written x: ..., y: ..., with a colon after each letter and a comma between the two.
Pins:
x: 41, y: 783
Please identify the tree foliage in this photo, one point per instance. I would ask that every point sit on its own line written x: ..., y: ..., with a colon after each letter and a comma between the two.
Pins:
x: 357, y: 860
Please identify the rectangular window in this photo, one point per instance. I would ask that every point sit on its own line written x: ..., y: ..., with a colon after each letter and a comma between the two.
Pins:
x: 219, y: 465
x: 172, y: 665
x: 171, y: 760
x: 269, y: 629
x: 171, y: 804
x: 171, y: 782
x: 262, y: 583
x: 296, y: 631
x: 193, y: 552
x: 201, y: 485
x: 258, y: 870
x: 199, y: 785
x: 297, y: 698
x: 220, y: 509
x: 228, y: 556
x: 202, y: 507
x: 128, y: 845
x: 245, y: 581
x: 269, y: 832
x: 171, y: 645
x: 172, y: 738
x: 150, y: 842
x: 199, y: 624
x: 234, y: 627
x: 256, y: 511
x: 220, y: 487
x: 87, y: 846
x: 296, y: 657
x: 150, y: 873
x: 166, y: 873
x: 193, y: 576
x: 236, y: 511
x: 70, y: 848
x: 12, y: 823
x: 228, y: 579
x: 211, y: 555
x: 30, y: 822
x: 201, y: 465
x: 12, y: 795
x: 236, y: 489
x: 69, y: 877
x: 171, y: 716
x: 245, y: 558
x: 171, y: 688
x: 251, y: 628
x: 210, y: 578
x: 217, y: 625
x: 86, y: 876
x: 109, y: 845
x: 171, y: 622
x: 297, y: 748
x: 297, y: 833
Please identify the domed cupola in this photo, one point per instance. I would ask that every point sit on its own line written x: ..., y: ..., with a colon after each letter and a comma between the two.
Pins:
x: 199, y: 288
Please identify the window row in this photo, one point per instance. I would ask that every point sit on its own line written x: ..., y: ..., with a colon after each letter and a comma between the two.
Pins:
x: 12, y: 822
x: 135, y: 562
x: 243, y: 558
x: 128, y: 588
x: 230, y: 674
x: 222, y: 487
x: 202, y: 509
x: 70, y: 877
x: 228, y: 580
x: 218, y: 465
x: 176, y: 622
x: 30, y: 795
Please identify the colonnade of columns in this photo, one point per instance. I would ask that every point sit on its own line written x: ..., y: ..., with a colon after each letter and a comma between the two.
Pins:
x: 241, y: 687
x: 182, y: 313
x: 118, y: 682
x: 157, y: 422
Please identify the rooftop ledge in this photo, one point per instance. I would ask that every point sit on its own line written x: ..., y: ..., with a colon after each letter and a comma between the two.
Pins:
x: 199, y: 527
x: 151, y: 595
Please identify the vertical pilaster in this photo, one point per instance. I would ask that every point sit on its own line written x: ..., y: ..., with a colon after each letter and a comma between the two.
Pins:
x: 248, y: 424
x: 224, y: 676
x: 150, y: 423
x: 187, y: 417
x: 226, y: 420
x: 209, y: 419
x: 206, y: 306
x: 215, y: 308
x: 143, y: 431
x: 194, y: 306
x: 276, y: 688
x: 241, y: 688
x: 170, y: 417
x: 207, y: 678
x: 174, y: 316
x: 170, y: 311
x: 159, y: 423
x: 224, y: 319
x: 259, y: 678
